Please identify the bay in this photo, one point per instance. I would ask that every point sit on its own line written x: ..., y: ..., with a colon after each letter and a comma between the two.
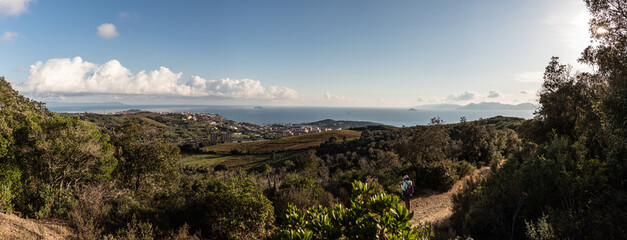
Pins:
x: 271, y: 114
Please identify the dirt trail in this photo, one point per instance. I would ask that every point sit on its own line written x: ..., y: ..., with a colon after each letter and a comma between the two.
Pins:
x: 435, y: 207
x: 14, y: 227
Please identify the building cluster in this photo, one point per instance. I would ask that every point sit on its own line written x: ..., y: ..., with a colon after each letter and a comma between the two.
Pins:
x: 214, y: 128
x: 288, y: 130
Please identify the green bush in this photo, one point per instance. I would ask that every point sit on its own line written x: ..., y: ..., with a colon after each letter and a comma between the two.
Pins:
x: 558, y: 180
x: 371, y: 216
x: 540, y: 229
x: 230, y: 208
x: 441, y: 175
x: 301, y: 192
x: 47, y: 201
x: 10, y: 186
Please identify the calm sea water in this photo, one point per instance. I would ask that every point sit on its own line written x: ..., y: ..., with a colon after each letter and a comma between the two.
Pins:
x: 266, y: 115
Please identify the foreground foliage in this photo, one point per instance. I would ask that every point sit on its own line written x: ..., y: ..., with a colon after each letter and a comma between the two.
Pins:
x: 370, y: 216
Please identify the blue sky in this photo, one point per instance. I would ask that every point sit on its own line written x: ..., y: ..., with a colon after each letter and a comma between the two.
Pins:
x: 312, y: 53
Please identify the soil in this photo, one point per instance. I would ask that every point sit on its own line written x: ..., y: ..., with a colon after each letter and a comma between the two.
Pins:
x: 14, y: 227
x: 432, y: 207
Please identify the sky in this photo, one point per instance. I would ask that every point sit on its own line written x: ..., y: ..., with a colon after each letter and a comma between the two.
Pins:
x: 364, y: 53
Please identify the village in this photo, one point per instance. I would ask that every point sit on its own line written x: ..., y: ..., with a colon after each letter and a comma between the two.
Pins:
x: 223, y: 130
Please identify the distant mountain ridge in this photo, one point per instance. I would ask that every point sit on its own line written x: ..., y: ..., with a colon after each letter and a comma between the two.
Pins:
x: 478, y: 106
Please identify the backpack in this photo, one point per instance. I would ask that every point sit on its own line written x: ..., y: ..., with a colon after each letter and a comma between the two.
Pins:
x: 410, y: 189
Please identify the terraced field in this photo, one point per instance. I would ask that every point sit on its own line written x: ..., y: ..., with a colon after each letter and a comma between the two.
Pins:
x: 284, y: 144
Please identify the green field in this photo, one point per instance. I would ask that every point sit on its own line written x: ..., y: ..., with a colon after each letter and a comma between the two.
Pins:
x: 204, y: 159
x: 241, y: 161
x: 284, y: 144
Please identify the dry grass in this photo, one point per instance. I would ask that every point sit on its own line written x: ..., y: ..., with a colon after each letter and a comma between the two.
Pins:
x: 284, y: 144
x: 14, y: 227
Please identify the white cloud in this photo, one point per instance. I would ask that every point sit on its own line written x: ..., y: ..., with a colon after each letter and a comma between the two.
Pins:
x: 9, y: 36
x: 13, y: 7
x: 234, y: 88
x: 340, y: 98
x: 75, y: 76
x: 530, y: 76
x: 107, y: 30
x: 466, y: 96
x: 494, y: 94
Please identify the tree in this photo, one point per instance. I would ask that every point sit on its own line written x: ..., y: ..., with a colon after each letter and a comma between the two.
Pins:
x: 45, y: 156
x: 424, y: 144
x: 11, y: 100
x: 229, y: 208
x: 475, y: 143
x: 146, y: 159
x: 608, y: 27
x: 64, y: 151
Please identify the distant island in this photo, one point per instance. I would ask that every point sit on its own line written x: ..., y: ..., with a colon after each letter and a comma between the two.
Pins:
x: 477, y: 106
x: 339, y: 124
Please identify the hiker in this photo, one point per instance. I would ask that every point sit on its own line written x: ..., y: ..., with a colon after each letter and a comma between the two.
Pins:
x: 407, y: 190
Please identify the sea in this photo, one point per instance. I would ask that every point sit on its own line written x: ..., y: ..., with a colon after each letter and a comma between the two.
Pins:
x: 272, y: 114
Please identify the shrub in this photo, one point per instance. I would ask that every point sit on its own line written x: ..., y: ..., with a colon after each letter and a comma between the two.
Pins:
x: 47, y: 201
x: 558, y: 180
x: 230, y: 208
x: 540, y: 229
x: 301, y: 192
x: 371, y: 216
x: 9, y: 186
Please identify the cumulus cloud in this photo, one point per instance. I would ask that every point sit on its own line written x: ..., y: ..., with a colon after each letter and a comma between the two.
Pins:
x: 234, y: 88
x: 494, y: 94
x: 107, y: 30
x: 13, y: 7
x: 75, y: 76
x: 9, y: 36
x: 467, y: 95
x: 530, y: 76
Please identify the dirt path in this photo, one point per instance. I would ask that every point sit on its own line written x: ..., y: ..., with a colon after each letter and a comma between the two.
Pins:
x: 435, y: 207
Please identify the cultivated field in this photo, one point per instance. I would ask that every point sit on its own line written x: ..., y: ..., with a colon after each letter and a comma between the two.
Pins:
x: 283, y: 144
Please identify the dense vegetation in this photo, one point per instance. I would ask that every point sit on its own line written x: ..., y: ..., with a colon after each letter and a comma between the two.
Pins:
x: 126, y: 181
x: 569, y: 179
x: 559, y: 175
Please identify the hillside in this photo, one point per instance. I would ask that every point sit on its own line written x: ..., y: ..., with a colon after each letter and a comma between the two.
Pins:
x: 283, y: 144
x: 14, y: 227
